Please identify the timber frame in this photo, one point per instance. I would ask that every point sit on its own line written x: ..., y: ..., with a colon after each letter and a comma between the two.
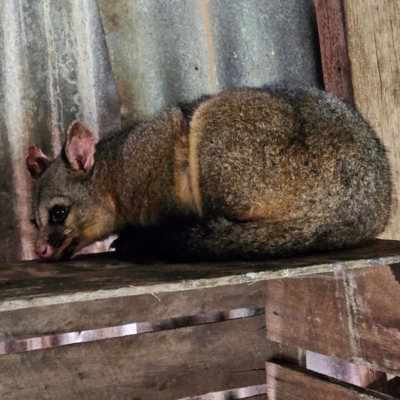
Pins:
x: 97, y: 328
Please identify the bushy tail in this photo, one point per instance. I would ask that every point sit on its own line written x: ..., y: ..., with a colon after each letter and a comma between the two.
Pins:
x: 221, y: 239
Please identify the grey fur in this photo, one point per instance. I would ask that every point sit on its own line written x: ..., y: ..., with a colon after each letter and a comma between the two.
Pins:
x: 282, y: 171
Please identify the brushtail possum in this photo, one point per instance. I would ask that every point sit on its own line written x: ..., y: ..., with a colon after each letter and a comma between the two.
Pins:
x: 247, y: 173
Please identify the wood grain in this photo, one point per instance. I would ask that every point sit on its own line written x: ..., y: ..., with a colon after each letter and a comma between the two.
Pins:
x: 337, y: 79
x: 333, y: 47
x: 290, y: 382
x: 373, y: 33
x: 261, y: 397
x: 29, y: 284
x: 164, y: 365
x: 97, y: 291
x: 95, y: 314
x: 350, y: 315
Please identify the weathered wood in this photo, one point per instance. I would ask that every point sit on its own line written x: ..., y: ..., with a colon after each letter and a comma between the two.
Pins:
x: 373, y: 34
x: 333, y: 47
x: 290, y: 382
x: 337, y: 77
x: 163, y: 365
x: 97, y: 291
x: 255, y: 397
x: 293, y: 354
x: 63, y: 339
x: 29, y: 284
x: 350, y: 315
x: 115, y: 311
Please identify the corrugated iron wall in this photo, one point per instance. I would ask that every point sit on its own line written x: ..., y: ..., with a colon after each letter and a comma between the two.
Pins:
x: 110, y: 63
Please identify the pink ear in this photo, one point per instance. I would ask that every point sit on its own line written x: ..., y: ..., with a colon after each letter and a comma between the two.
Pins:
x: 80, y: 146
x: 36, y: 162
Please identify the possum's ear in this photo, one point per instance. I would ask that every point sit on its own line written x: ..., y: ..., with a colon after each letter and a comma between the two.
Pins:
x: 36, y: 162
x: 80, y: 146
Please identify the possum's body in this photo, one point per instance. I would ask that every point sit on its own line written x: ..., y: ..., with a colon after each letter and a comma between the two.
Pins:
x: 245, y: 173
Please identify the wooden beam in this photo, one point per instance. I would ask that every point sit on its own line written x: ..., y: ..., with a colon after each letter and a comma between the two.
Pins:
x: 373, y: 33
x: 350, y: 315
x: 333, y: 47
x: 290, y: 382
x: 166, y: 365
x: 97, y: 291
x: 116, y: 311
x: 337, y: 77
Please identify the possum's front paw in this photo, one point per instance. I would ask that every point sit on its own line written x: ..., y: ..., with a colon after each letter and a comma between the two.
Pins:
x: 121, y: 244
x: 136, y: 245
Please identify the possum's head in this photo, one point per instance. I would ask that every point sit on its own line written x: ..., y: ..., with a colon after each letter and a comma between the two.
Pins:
x: 66, y: 209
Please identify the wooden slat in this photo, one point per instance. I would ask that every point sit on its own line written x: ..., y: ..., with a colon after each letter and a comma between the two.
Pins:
x: 29, y: 284
x: 373, y: 35
x: 350, y: 315
x: 337, y: 79
x: 163, y: 365
x: 97, y: 291
x: 333, y: 46
x: 289, y: 382
x: 261, y: 397
x: 95, y: 314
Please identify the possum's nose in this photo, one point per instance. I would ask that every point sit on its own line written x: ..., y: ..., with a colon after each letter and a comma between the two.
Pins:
x: 43, y: 252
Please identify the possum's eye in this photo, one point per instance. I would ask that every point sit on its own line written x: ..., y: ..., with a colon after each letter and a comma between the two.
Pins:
x: 33, y: 222
x: 58, y: 214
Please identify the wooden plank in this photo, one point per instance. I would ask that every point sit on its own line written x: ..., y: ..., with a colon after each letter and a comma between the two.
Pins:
x: 333, y: 46
x: 350, y: 315
x: 116, y: 311
x: 290, y: 382
x: 373, y: 34
x: 336, y: 70
x: 255, y: 397
x: 63, y: 339
x: 29, y: 284
x: 98, y: 291
x: 163, y: 365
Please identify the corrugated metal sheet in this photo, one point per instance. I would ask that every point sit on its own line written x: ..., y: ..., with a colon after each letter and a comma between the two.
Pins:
x: 54, y: 68
x: 166, y: 51
x: 95, y: 60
